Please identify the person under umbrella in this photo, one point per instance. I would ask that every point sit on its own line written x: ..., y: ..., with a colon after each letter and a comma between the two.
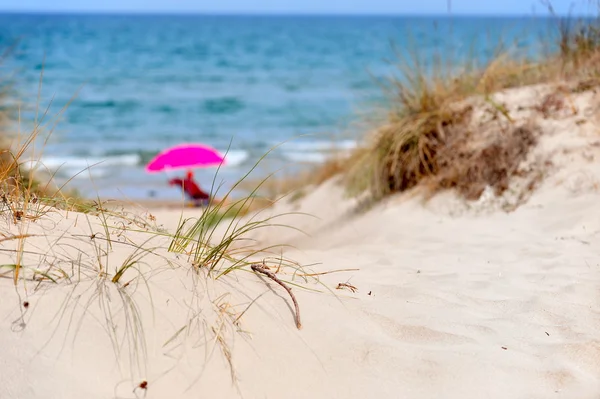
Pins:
x: 191, y: 189
x: 187, y: 156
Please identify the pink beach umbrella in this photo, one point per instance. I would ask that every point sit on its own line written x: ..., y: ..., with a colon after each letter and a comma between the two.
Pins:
x: 185, y: 156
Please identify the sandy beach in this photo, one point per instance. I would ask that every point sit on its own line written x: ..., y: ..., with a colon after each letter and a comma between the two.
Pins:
x: 496, y: 298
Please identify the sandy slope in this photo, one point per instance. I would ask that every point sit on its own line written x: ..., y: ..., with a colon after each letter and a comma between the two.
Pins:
x: 454, y: 300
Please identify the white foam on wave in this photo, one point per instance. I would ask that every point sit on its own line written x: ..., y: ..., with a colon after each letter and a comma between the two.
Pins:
x: 320, y: 145
x: 235, y: 157
x: 316, y: 151
x: 54, y: 163
x: 306, y: 157
x: 82, y: 167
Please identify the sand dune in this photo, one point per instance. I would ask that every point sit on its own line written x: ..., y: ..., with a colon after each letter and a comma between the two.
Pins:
x: 454, y: 299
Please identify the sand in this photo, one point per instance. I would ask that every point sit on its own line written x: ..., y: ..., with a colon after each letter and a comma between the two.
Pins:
x: 454, y: 299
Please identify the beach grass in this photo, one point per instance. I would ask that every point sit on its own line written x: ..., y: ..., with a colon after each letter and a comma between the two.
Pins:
x: 209, y: 247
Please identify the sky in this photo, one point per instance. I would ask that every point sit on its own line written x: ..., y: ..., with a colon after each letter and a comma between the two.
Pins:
x: 494, y: 7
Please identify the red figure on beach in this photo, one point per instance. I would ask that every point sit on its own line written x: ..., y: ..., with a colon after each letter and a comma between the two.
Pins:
x: 191, y: 189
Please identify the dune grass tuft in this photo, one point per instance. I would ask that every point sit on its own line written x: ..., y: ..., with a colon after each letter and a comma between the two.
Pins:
x: 427, y: 111
x: 219, y: 237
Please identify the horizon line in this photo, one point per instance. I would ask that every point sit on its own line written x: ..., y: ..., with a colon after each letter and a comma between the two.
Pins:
x: 288, y: 13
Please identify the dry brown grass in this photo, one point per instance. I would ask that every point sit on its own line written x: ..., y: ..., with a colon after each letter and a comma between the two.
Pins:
x: 470, y: 169
x: 18, y: 184
x: 428, y: 118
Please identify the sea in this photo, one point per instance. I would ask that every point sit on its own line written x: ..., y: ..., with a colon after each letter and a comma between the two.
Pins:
x: 111, y: 91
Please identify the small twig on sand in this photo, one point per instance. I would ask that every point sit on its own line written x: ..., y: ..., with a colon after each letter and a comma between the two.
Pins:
x: 341, y: 286
x: 272, y: 276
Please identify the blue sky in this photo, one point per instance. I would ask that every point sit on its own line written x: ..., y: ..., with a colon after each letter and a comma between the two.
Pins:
x: 518, y: 7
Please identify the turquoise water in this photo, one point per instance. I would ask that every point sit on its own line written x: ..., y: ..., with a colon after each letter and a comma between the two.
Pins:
x: 143, y: 83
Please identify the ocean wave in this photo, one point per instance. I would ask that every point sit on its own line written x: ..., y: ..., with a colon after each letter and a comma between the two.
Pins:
x: 235, y: 158
x: 107, y: 104
x: 144, y: 156
x: 99, y: 166
x: 71, y: 162
x: 223, y: 105
x: 316, y: 151
x: 82, y: 167
x: 320, y: 145
x: 306, y: 157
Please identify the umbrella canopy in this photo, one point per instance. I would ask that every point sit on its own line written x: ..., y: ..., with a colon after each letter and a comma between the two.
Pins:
x: 185, y: 156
